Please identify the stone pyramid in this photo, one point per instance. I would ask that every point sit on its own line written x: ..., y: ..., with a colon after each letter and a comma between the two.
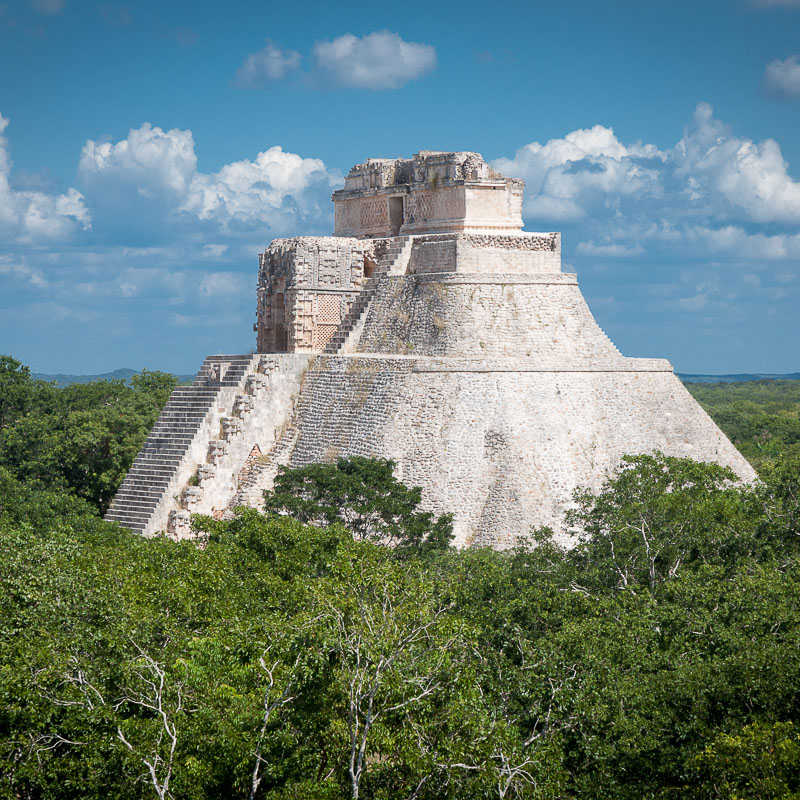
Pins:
x: 432, y: 330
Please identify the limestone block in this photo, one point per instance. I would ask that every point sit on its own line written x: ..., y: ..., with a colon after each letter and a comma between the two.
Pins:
x: 180, y: 524
x: 231, y: 426
x: 206, y: 473
x: 216, y: 450
x: 191, y: 496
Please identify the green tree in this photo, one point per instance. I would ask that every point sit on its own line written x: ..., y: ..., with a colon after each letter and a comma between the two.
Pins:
x: 758, y: 762
x: 657, y: 516
x: 82, y: 438
x: 363, y: 495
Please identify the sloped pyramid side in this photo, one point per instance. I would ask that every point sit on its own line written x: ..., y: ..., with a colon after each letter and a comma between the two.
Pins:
x: 498, y: 395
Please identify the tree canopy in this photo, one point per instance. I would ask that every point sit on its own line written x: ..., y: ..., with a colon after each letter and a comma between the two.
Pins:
x: 80, y: 439
x: 294, y: 654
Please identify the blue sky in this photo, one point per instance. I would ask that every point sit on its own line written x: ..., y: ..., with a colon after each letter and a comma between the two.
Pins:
x: 148, y: 151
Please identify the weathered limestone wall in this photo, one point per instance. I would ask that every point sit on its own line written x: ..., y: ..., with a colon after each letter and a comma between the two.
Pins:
x: 493, y: 206
x: 255, y: 421
x: 430, y: 192
x: 532, y: 316
x: 501, y: 443
x: 489, y: 254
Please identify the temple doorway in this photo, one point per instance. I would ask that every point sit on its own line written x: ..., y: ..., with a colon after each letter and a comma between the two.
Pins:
x: 395, y: 214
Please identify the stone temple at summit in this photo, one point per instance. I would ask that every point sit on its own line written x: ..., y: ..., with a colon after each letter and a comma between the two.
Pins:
x: 432, y: 330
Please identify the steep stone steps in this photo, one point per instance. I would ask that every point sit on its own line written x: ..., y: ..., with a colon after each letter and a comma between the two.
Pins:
x: 171, y: 438
x: 397, y: 251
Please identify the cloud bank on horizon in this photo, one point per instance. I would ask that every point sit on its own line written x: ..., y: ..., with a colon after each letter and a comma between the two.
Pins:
x: 709, y: 186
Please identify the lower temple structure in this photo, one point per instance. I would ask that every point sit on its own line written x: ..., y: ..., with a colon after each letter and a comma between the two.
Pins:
x: 431, y: 330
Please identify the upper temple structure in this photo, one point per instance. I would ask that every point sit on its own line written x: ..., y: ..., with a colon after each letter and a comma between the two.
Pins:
x: 431, y: 330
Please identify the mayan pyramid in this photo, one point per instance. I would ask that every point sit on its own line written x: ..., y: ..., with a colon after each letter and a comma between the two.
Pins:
x: 432, y: 330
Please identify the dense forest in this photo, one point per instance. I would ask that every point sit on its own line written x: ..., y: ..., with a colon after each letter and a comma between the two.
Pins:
x: 292, y: 654
x: 762, y: 418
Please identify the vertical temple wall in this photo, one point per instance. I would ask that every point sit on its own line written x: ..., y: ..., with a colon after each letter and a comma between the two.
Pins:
x: 306, y: 286
x: 431, y: 192
x: 519, y: 253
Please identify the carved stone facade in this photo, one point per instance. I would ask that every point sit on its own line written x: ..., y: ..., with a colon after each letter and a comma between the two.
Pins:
x: 306, y: 286
x: 424, y: 334
x: 431, y: 192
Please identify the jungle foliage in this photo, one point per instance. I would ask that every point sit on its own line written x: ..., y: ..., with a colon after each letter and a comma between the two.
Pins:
x: 658, y: 658
x: 762, y: 418
x: 80, y: 439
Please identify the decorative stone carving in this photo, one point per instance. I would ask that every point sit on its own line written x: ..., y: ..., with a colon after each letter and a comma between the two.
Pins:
x: 206, y: 472
x: 179, y: 525
x: 231, y: 426
x: 243, y: 404
x: 190, y: 497
x: 430, y: 192
x: 217, y: 448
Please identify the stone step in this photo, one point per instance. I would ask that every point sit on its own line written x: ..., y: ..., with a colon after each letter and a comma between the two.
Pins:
x: 176, y: 425
x: 147, y: 478
x: 142, y: 495
x: 165, y: 446
x: 135, y: 503
x: 157, y: 464
x: 148, y: 473
x: 156, y: 460
x: 134, y: 509
x: 155, y: 485
x: 124, y: 517
x: 165, y: 450
x: 130, y: 514
x: 133, y: 524
x: 165, y: 427
x: 165, y: 433
x: 155, y: 457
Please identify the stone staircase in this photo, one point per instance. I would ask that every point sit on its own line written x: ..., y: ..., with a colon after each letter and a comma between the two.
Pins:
x: 393, y: 261
x: 170, y: 440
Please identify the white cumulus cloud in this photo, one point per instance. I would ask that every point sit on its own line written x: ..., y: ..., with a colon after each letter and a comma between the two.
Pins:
x: 33, y: 216
x: 153, y: 173
x: 268, y: 65
x: 564, y: 176
x: 379, y: 60
x: 709, y: 173
x: 149, y: 157
x: 782, y: 78
x: 248, y: 190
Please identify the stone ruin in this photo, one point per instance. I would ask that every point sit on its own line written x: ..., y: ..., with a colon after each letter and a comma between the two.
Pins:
x: 432, y: 330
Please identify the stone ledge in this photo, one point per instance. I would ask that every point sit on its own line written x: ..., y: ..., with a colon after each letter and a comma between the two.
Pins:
x: 467, y: 278
x: 623, y: 365
x: 443, y: 364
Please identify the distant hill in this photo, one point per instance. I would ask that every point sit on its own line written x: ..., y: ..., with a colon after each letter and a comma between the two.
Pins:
x: 737, y: 378
x: 62, y: 380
